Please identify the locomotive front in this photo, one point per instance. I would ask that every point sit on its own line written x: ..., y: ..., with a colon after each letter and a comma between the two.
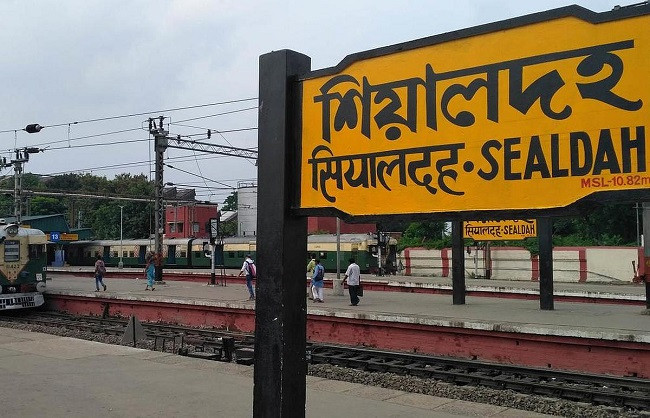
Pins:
x: 23, y: 260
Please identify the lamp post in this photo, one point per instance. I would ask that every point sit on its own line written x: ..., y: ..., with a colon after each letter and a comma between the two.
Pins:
x: 121, y: 264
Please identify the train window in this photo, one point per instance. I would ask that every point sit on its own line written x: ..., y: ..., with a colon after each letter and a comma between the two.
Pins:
x: 35, y: 251
x: 183, y: 253
x: 12, y: 250
x: 179, y: 226
x: 125, y: 253
x: 114, y: 254
x: 131, y: 254
x: 195, y: 227
x: 172, y: 227
x: 240, y: 254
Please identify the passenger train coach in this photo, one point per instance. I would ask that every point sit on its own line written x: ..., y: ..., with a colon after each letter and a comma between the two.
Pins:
x: 191, y: 252
x: 23, y: 261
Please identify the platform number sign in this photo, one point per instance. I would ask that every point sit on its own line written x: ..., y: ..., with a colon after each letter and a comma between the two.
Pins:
x: 55, y: 236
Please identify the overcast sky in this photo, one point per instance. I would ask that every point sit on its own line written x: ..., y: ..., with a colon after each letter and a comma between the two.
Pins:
x: 68, y: 61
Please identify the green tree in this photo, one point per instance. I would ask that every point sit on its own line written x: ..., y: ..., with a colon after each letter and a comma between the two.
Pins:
x: 231, y: 202
x: 43, y: 205
x: 430, y: 234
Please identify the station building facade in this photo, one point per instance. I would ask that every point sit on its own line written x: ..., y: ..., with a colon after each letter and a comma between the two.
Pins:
x: 189, y: 221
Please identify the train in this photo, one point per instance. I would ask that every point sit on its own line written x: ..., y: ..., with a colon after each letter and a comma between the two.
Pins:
x: 23, y: 267
x: 231, y: 252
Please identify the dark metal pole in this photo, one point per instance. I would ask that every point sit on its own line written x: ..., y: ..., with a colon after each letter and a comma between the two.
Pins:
x: 281, y: 309
x: 213, y: 249
x: 646, y: 251
x: 160, y: 145
x: 18, y: 188
x: 457, y: 263
x: 545, y: 229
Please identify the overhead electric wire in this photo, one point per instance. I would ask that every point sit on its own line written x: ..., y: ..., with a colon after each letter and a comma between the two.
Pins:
x: 196, y: 187
x: 196, y: 175
x: 131, y: 164
x: 217, y: 131
x: 218, y: 114
x: 98, y: 144
x: 88, y: 136
x: 130, y: 115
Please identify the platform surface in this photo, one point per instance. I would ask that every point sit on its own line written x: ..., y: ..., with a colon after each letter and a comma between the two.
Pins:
x: 621, y: 290
x: 587, y: 320
x: 67, y: 377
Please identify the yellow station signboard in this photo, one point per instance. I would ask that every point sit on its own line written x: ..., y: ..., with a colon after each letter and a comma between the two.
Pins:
x: 507, y: 117
x: 505, y: 230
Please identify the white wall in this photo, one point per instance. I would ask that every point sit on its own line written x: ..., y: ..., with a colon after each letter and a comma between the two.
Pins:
x: 570, y: 264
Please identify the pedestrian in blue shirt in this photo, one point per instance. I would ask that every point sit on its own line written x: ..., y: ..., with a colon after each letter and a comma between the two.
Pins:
x: 317, y: 281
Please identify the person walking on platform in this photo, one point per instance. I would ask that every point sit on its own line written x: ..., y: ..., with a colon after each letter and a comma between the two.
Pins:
x: 100, y: 270
x: 317, y: 281
x: 310, y: 272
x: 251, y: 272
x: 353, y: 276
x: 150, y: 271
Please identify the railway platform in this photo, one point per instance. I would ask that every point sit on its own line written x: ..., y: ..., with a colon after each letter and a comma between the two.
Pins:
x: 595, y: 292
x: 69, y: 377
x: 588, y: 337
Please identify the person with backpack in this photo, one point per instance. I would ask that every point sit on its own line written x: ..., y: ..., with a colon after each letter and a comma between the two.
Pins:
x: 317, y: 281
x: 100, y: 270
x: 251, y: 272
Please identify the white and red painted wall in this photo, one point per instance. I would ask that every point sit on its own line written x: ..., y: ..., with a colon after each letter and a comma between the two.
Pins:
x: 570, y: 264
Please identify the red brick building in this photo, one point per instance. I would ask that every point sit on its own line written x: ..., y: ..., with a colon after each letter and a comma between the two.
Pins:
x: 326, y: 224
x: 188, y: 220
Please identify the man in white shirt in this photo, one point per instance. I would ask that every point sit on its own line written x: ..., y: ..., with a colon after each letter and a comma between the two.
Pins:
x: 353, y: 276
x: 248, y: 268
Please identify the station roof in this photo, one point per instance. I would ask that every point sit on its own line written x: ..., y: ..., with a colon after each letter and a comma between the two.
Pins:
x: 46, y: 223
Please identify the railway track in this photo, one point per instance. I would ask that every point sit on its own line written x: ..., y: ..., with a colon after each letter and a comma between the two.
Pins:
x: 595, y: 389
x: 220, y: 345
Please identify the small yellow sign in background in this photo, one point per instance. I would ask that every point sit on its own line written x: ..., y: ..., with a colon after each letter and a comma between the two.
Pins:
x: 504, y: 230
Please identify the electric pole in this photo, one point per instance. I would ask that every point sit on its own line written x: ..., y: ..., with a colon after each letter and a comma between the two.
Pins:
x: 162, y: 141
x: 22, y: 156
x: 160, y: 145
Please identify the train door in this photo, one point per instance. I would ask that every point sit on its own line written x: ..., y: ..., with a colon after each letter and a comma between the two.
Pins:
x: 107, y: 254
x: 141, y: 254
x: 171, y: 254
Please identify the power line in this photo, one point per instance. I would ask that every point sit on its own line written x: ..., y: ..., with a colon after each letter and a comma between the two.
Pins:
x: 252, y: 128
x: 88, y: 136
x: 218, y: 114
x: 99, y: 144
x: 189, y: 186
x: 130, y: 115
x: 196, y: 175
x: 131, y: 164
x: 68, y: 140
